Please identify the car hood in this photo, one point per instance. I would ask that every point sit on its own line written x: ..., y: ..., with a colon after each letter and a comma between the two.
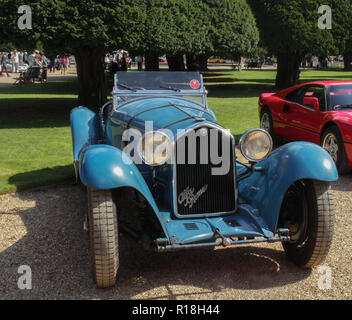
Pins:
x: 165, y: 113
x: 342, y: 115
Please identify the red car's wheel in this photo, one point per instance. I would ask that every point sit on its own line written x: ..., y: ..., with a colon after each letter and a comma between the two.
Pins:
x: 332, y: 142
x: 266, y: 123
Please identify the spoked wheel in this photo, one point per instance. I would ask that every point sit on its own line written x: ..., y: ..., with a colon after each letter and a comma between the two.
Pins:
x: 266, y: 123
x: 103, y: 234
x: 333, y: 143
x: 308, y: 212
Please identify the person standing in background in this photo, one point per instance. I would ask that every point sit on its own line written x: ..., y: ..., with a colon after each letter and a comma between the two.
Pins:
x: 139, y: 60
x: 51, y: 65
x: 31, y: 59
x: 3, y: 64
x: 63, y: 62
x: 44, y: 60
x: 123, y: 63
x: 20, y: 57
x: 15, y: 61
x: 25, y: 57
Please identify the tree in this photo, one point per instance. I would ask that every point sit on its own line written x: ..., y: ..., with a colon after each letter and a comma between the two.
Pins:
x: 195, y: 28
x: 290, y: 29
x: 341, y: 26
x: 232, y: 30
x: 83, y: 28
x: 90, y: 28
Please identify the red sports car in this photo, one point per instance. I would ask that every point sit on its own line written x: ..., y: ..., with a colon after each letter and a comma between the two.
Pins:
x: 318, y: 112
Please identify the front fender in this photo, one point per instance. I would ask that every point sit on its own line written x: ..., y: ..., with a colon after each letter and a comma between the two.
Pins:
x: 106, y: 167
x: 265, y: 189
x: 84, y: 130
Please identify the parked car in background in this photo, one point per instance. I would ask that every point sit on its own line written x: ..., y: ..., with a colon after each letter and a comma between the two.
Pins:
x: 318, y: 112
x: 216, y: 60
x: 159, y: 168
x: 254, y: 63
x: 162, y: 60
x: 23, y: 67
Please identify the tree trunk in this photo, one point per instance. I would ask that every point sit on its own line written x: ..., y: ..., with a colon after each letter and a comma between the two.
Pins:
x: 190, y: 58
x: 175, y: 62
x: 347, y: 58
x: 151, y: 61
x: 203, y: 62
x: 288, y: 69
x: 92, y: 91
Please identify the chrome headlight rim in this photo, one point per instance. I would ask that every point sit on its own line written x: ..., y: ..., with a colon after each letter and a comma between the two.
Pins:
x: 142, y: 142
x: 242, y: 141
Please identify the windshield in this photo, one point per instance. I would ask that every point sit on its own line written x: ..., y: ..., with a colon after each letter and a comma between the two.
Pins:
x: 158, y: 80
x: 340, y: 97
x: 139, y: 84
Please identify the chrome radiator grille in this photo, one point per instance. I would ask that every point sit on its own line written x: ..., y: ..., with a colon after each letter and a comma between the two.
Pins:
x: 198, y: 189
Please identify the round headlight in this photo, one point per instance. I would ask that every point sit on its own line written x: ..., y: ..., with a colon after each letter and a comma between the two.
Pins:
x: 155, y: 148
x: 256, y: 144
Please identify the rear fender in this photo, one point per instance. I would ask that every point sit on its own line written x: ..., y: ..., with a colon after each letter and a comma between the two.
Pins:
x: 106, y: 167
x: 266, y: 188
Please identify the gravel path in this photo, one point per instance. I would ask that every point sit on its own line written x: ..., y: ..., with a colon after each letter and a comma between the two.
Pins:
x: 42, y: 228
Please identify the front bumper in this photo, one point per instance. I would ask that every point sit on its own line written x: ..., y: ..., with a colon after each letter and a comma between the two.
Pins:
x: 246, y: 225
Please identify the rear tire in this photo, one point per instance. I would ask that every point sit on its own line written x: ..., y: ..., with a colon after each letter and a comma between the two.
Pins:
x: 103, y: 234
x: 308, y: 212
x: 331, y: 140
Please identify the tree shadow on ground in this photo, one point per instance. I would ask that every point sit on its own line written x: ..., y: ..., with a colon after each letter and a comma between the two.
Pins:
x: 240, y: 90
x: 42, y: 177
x: 64, y: 86
x: 325, y: 78
x: 35, y: 113
x: 57, y: 250
x: 212, y: 74
x: 218, y: 80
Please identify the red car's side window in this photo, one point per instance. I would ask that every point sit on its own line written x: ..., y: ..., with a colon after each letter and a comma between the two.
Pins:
x: 308, y: 91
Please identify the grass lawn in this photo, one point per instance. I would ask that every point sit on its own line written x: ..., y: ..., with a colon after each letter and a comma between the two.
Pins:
x: 35, y: 137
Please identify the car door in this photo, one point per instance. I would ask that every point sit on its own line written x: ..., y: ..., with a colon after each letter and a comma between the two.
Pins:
x: 303, y: 121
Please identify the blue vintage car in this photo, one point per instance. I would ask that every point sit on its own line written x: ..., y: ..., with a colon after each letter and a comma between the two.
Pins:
x: 159, y: 168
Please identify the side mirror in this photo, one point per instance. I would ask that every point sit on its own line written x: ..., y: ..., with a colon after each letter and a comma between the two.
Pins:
x: 311, y: 102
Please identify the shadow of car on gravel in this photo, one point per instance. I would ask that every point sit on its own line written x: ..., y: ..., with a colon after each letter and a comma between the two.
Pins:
x: 57, y: 249
x: 344, y: 183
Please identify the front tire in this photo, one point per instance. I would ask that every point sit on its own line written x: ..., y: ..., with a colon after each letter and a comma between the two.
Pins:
x: 332, y: 142
x: 308, y: 212
x: 103, y: 234
x: 266, y: 123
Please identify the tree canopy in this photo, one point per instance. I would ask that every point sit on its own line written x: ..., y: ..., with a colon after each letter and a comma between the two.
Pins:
x: 198, y: 27
x: 342, y: 29
x: 90, y: 28
x: 290, y: 29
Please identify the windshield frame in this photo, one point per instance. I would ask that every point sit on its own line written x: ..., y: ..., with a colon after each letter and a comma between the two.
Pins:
x: 121, y: 94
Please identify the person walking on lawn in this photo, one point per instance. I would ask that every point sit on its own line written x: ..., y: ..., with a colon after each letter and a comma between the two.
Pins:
x: 15, y: 61
x: 3, y: 64
x: 63, y: 62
